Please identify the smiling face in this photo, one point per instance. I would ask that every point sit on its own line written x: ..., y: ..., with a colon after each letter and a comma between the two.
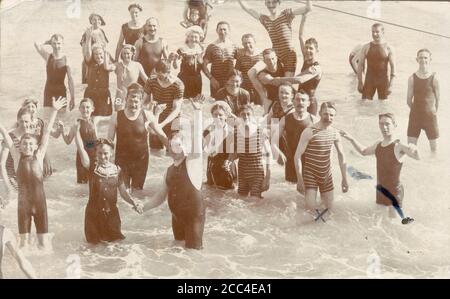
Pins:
x: 28, y: 146
x: 104, y: 153
x: 176, y: 149
x: 271, y: 60
x: 194, y: 15
x: 387, y: 126
x: 57, y: 44
x: 285, y: 94
x: 96, y: 22
x: 31, y: 108
x: 134, y: 14
x: 424, y: 59
x: 310, y: 51
x: 233, y: 84
x: 327, y: 115
x: 193, y: 38
x: 99, y: 55
x: 151, y: 27
x: 222, y: 31
x: 246, y: 115
x: 86, y: 109
x: 219, y: 116
x: 377, y: 33
x: 126, y: 55
x: 249, y: 44
x: 25, y: 123
x: 272, y: 5
x: 134, y: 102
x: 164, y: 77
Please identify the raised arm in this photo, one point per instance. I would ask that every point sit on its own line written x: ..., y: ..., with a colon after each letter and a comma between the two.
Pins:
x: 410, y: 93
x: 110, y: 67
x: 9, y: 143
x: 249, y: 10
x: 300, y: 34
x: 363, y: 150
x: 119, y: 44
x: 41, y: 51
x: 57, y: 104
x: 11, y: 244
x: 342, y: 162
x: 303, y: 10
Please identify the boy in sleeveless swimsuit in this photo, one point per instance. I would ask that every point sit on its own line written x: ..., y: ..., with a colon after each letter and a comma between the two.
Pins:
x: 315, y: 171
x: 183, y: 181
x: 8, y: 241
x: 28, y: 163
x: 389, y: 154
x: 379, y: 56
x: 423, y: 100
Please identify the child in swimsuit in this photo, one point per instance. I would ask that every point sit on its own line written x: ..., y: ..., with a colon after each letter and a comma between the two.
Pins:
x: 28, y: 163
x: 88, y: 130
x: 102, y: 218
x: 183, y: 181
x: 196, y: 14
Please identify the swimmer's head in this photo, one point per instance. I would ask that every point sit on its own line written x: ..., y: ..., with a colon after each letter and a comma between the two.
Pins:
x: 272, y: 5
x: 104, y: 149
x: 96, y: 20
x: 311, y: 48
x: 234, y: 81
x: 135, y: 9
x: 127, y: 52
x: 270, y: 59
x: 423, y: 57
x: 223, y: 29
x: 387, y: 124
x: 56, y: 41
x: 246, y: 114
x: 177, y: 148
x: 248, y: 41
x: 25, y: 120
x: 86, y: 108
x: 162, y: 69
x: 151, y: 26
x: 220, y: 111
x: 377, y: 32
x: 301, y: 101
x: 327, y: 113
x: 194, y: 35
x: 31, y: 105
x: 194, y: 15
x: 98, y: 52
x: 286, y: 94
x: 28, y: 144
x: 135, y: 97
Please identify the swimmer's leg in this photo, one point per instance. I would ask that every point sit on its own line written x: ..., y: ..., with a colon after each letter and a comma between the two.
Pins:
x: 139, y: 173
x: 433, y: 145
x: 194, y: 232
x: 178, y: 229
x: 327, y: 198
x: 24, y: 240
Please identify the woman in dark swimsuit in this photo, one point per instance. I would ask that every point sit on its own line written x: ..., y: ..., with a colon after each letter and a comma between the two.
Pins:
x: 130, y: 31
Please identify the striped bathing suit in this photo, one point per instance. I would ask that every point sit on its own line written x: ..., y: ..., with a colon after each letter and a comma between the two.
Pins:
x: 244, y: 63
x: 317, y: 166
x: 250, y: 165
x: 280, y: 33
x: 221, y: 63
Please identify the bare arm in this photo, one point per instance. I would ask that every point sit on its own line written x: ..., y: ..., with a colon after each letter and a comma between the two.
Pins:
x: 3, y: 158
x: 410, y: 150
x: 112, y: 127
x: 363, y: 150
x: 127, y: 197
x: 175, y: 112
x: 71, y: 89
x: 437, y: 91
x: 362, y: 62
x: 276, y: 131
x: 300, y: 34
x: 301, y: 147
x: 142, y: 73
x: 24, y: 264
x: 267, y: 79
x: 303, y: 10
x: 119, y: 45
x: 410, y: 93
x: 110, y: 67
x: 165, y: 49
x: 253, y: 76
x: 205, y: 68
x: 249, y: 10
x: 9, y: 143
x: 392, y: 65
x: 41, y: 51
x: 342, y: 162
x: 57, y: 104
x: 85, y: 160
x: 137, y: 45
x: 68, y: 138
x: 159, y: 198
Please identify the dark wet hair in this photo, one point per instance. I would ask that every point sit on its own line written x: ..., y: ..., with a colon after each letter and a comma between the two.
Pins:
x: 135, y: 88
x: 268, y: 51
x: 248, y: 35
x: 22, y: 111
x: 223, y: 23
x: 288, y: 84
x: 326, y: 105
x: 163, y: 66
x: 376, y: 25
x: 30, y: 101
x: 423, y: 50
x: 388, y: 115
x: 102, y: 141
x: 29, y: 136
x: 87, y: 100
x: 135, y: 5
x: 303, y: 93
x: 312, y: 41
x: 233, y: 73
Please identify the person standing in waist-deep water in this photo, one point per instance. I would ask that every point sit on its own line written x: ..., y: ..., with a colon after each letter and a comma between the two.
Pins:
x: 252, y: 147
x: 102, y: 219
x: 423, y: 100
x: 164, y: 89
x: 182, y: 182
x: 220, y: 54
x: 127, y: 72
x: 380, y: 58
x: 266, y: 77
x: 279, y: 26
x: 57, y: 70
x: 220, y: 171
x: 151, y: 48
x: 87, y: 126
x: 98, y: 36
x: 130, y: 128
x: 191, y: 57
x: 132, y: 30
x: 28, y: 164
x: 8, y: 241
x: 97, y: 78
x: 232, y: 94
x: 246, y: 58
x: 389, y: 153
x: 315, y: 171
x: 291, y: 127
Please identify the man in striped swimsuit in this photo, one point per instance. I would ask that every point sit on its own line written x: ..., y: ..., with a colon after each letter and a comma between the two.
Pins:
x: 279, y: 26
x: 315, y: 173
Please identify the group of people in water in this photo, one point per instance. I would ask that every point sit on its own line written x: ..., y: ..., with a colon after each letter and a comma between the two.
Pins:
x: 145, y: 113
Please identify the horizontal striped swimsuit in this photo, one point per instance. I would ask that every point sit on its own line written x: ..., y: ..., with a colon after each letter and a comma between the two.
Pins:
x: 164, y: 95
x: 222, y: 62
x: 244, y: 63
x: 280, y: 33
x: 317, y: 167
x: 250, y: 165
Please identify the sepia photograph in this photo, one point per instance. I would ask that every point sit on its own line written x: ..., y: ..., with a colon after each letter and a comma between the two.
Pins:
x: 224, y: 139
